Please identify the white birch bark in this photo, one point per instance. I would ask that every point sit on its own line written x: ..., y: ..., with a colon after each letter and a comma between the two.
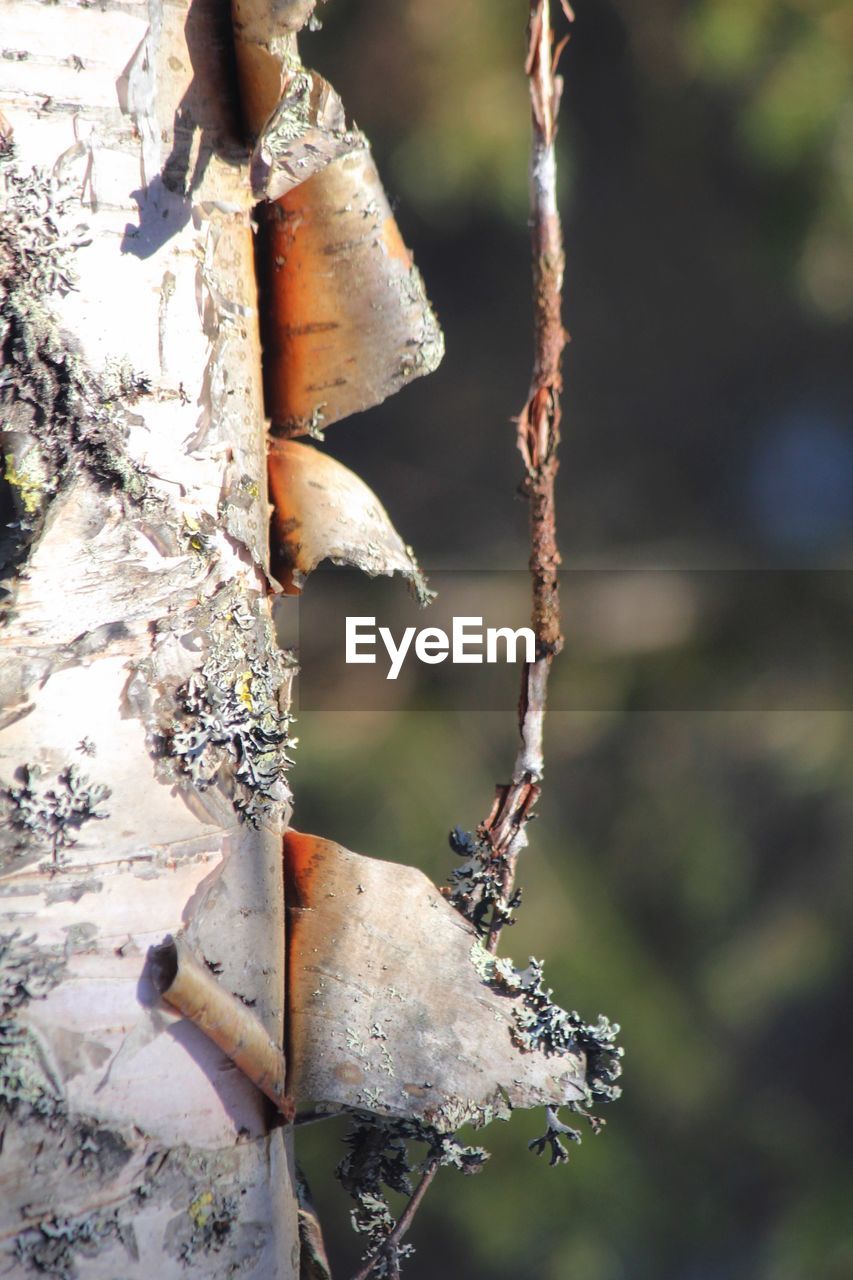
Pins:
x: 143, y: 747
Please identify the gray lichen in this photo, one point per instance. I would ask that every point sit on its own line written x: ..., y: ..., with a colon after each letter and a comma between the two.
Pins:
x: 51, y: 815
x: 230, y: 712
x: 55, y: 1245
x: 542, y: 1024
x: 26, y: 1089
x: 555, y: 1130
x: 28, y: 971
x: 29, y: 1090
x: 453, y: 1113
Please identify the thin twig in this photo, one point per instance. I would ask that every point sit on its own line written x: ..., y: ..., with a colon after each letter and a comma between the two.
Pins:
x: 538, y: 437
x: 388, y: 1247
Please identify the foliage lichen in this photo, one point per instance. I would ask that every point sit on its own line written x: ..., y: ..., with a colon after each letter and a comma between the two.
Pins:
x: 378, y: 1157
x: 476, y: 886
x: 54, y: 1245
x: 230, y: 710
x: 51, y: 815
x: 28, y: 971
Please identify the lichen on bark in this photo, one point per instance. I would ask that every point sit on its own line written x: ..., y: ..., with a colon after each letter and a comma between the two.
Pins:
x: 57, y: 412
x: 134, y: 465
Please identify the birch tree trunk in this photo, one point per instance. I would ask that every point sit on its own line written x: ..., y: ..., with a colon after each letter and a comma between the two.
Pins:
x: 145, y: 723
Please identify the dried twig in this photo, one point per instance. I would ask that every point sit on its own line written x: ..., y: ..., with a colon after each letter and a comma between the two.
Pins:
x: 189, y: 986
x: 538, y: 437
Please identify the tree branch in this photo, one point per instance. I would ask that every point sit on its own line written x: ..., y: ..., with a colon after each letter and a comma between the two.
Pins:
x: 538, y: 438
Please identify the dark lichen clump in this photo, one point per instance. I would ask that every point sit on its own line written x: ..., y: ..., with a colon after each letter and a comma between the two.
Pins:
x: 477, y: 885
x: 378, y: 1156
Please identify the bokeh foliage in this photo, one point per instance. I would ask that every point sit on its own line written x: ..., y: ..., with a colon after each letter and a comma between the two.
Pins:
x: 438, y: 85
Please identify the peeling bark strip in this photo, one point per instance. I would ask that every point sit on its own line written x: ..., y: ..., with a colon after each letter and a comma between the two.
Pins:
x: 265, y: 47
x: 143, y: 747
x: 322, y: 511
x: 416, y: 1021
x: 397, y: 1013
x: 347, y: 322
x: 345, y: 318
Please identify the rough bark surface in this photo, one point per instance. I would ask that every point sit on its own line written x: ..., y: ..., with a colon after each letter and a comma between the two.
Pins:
x: 143, y: 752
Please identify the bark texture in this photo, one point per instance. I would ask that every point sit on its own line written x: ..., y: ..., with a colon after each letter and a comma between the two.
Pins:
x: 343, y: 337
x: 415, y: 1019
x: 143, y: 753
x: 323, y: 511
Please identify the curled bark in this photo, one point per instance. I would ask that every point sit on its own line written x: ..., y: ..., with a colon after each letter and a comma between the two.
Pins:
x: 189, y: 986
x: 265, y: 47
x: 323, y: 511
x: 395, y: 1008
x: 346, y: 318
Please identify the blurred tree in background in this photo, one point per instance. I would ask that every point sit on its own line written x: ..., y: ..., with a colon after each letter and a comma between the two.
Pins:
x: 690, y: 873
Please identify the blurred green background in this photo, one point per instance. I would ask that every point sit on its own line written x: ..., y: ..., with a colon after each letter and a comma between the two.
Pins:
x: 690, y: 872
